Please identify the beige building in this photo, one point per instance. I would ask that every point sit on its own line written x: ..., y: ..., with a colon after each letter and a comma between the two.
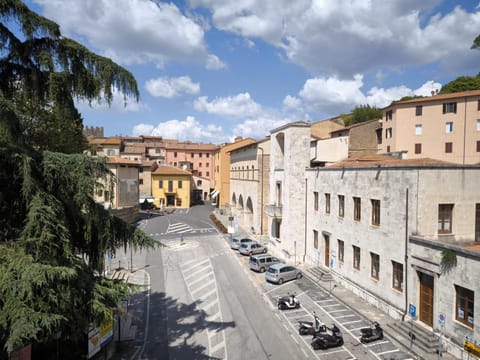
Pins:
x: 221, y: 193
x: 249, y: 185
x: 444, y: 127
x: 381, y: 227
x: 110, y: 146
x: 146, y: 168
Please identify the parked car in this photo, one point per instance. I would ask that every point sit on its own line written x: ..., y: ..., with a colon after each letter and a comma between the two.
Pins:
x: 262, y: 262
x: 237, y: 241
x: 252, y: 248
x: 279, y: 273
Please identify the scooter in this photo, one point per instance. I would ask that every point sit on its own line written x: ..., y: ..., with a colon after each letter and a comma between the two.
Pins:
x: 332, y: 338
x: 288, y: 302
x: 310, y: 328
x: 372, y: 333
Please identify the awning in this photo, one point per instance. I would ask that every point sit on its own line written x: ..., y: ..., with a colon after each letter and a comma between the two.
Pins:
x: 142, y: 200
x: 214, y: 194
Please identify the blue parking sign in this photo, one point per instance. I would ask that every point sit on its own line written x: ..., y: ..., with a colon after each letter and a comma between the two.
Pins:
x: 412, y: 310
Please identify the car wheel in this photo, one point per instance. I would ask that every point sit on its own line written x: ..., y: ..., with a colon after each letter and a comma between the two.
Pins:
x: 280, y: 281
x: 299, y: 275
x: 265, y: 251
x: 280, y: 306
x: 340, y: 343
x: 262, y: 269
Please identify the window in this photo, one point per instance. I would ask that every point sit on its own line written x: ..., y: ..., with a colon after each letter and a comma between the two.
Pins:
x: 207, y: 155
x: 375, y: 212
x: 180, y: 184
x: 445, y: 218
x: 199, y: 173
x: 450, y: 107
x: 478, y: 124
x: 397, y: 276
x: 356, y: 257
x: 418, y: 110
x: 388, y: 115
x: 464, y: 305
x: 140, y: 181
x: 418, y: 129
x: 207, y: 164
x: 448, y: 147
x: 208, y: 173
x: 160, y: 184
x: 375, y: 266
x: 388, y: 148
x: 315, y: 200
x: 140, y: 170
x: 170, y: 185
x: 388, y: 133
x: 341, y: 250
x: 199, y: 164
x: 199, y: 154
x: 478, y: 146
x: 199, y: 182
x: 175, y: 154
x: 449, y: 127
x: 418, y: 148
x: 315, y: 239
x: 341, y: 205
x: 478, y: 105
x: 357, y: 208
x: 179, y: 202
x: 327, y: 203
x: 157, y: 150
x: 111, y: 152
x: 175, y: 163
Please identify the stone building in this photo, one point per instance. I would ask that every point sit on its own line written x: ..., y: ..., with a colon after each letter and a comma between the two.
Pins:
x: 382, y: 227
x: 249, y: 185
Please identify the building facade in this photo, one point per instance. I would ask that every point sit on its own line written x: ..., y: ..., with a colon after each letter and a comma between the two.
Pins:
x: 171, y: 187
x: 444, y: 127
x: 221, y: 184
x: 249, y: 185
x: 382, y: 227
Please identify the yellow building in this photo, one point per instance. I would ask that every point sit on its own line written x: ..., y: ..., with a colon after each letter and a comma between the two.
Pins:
x: 221, y: 194
x: 171, y: 187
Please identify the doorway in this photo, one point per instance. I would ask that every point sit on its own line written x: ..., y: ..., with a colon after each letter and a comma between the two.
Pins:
x: 426, y: 298
x: 326, y: 239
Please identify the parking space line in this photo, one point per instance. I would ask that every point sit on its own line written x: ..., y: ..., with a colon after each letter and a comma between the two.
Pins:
x: 388, y: 352
x: 344, y: 316
x: 342, y: 310
x: 378, y: 343
x: 351, y: 322
x: 194, y: 266
x: 209, y: 267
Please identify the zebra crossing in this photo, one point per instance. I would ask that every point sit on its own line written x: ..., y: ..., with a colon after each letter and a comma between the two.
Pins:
x: 178, y: 228
x: 199, y: 277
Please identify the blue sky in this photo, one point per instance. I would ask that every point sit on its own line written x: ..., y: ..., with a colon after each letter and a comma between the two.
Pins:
x: 211, y: 70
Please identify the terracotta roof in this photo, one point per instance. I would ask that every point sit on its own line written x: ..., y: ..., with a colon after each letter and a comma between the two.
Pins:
x: 154, y: 144
x: 133, y: 150
x: 121, y: 161
x: 170, y: 170
x: 189, y: 146
x: 147, y: 163
x: 440, y: 97
x: 106, y: 141
x: 374, y: 160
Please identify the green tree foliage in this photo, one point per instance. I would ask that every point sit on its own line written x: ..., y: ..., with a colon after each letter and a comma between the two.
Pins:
x: 362, y: 113
x: 53, y: 236
x: 462, y: 83
x: 476, y: 43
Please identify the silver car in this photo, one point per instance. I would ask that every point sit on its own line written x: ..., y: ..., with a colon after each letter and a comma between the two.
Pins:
x: 252, y: 248
x: 279, y: 273
x: 262, y: 262
x: 237, y: 241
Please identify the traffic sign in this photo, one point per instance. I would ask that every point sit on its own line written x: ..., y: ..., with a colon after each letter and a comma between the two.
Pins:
x: 412, y: 310
x: 441, y: 319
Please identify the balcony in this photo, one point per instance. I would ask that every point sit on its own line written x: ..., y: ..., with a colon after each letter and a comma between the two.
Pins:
x: 274, y: 211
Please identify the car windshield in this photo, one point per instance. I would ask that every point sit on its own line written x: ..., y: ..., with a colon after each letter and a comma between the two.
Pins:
x: 244, y: 245
x: 272, y: 270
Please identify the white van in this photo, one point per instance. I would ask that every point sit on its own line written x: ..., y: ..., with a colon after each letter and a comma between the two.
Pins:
x: 262, y: 262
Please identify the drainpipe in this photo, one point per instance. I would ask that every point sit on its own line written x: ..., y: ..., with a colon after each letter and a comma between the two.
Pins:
x: 406, y: 256
x: 261, y: 195
x: 305, y: 245
x: 464, y: 130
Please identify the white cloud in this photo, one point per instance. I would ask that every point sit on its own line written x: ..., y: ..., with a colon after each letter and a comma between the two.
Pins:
x: 171, y: 87
x: 291, y: 102
x: 259, y: 127
x: 214, y: 63
x: 130, y: 31
x: 183, y: 130
x: 241, y: 105
x: 345, y: 38
x: 427, y: 88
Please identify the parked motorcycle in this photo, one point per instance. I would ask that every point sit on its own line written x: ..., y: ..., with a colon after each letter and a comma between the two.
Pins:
x: 371, y: 333
x: 288, y: 302
x: 332, y: 338
x: 311, y: 328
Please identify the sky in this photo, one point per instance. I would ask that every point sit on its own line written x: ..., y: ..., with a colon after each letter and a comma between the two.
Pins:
x: 211, y: 70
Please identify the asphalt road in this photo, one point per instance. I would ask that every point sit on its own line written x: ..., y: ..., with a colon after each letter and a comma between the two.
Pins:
x: 202, y: 304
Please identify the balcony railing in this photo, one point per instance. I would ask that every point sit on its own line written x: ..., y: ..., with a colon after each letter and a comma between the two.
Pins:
x: 274, y: 211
